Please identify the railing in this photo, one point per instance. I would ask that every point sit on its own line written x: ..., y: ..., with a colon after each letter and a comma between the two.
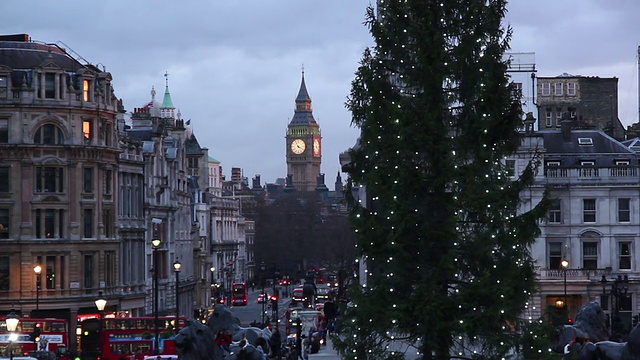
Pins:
x: 574, y: 274
x: 586, y: 174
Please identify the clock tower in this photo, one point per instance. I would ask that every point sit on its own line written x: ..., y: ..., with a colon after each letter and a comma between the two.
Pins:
x: 304, y: 144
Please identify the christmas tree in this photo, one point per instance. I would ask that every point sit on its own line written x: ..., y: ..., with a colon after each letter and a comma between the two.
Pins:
x: 443, y: 235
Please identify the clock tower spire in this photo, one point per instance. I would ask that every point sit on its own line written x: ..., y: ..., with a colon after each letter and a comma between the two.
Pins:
x: 303, y: 141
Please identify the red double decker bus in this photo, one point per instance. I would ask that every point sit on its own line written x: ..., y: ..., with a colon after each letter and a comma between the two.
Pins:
x: 127, y: 338
x: 32, y: 334
x: 239, y: 296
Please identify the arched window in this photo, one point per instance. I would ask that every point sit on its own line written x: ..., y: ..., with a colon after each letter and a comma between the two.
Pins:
x: 49, y: 134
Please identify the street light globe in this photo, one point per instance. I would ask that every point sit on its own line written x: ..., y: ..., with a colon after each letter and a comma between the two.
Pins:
x: 100, y: 302
x: 177, y: 266
x: 155, y: 243
x: 213, y: 269
x: 564, y: 263
x: 37, y: 269
x: 12, y: 321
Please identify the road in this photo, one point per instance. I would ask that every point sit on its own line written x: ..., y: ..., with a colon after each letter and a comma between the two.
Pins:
x: 253, y: 311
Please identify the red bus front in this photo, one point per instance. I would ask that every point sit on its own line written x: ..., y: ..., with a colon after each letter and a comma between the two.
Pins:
x: 239, y: 294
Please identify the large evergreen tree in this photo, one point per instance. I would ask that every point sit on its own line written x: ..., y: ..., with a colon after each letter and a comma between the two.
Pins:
x: 443, y: 234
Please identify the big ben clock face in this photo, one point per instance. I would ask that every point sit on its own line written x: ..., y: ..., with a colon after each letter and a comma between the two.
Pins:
x: 298, y: 146
x: 316, y: 147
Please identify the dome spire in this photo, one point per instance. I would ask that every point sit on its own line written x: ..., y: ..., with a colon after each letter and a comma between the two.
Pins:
x: 167, y: 107
x: 303, y: 95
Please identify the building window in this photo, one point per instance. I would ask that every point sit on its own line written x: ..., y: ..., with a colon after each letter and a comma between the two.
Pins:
x: 4, y: 223
x: 590, y: 255
x: 86, y: 90
x: 555, y: 255
x: 625, y: 255
x: 49, y: 223
x: 510, y: 167
x: 88, y: 180
x: 88, y: 223
x: 49, y: 179
x: 624, y: 210
x: 87, y: 131
x: 50, y: 274
x: 555, y: 211
x: 50, y: 86
x: 546, y: 89
x: 49, y: 134
x: 5, y: 179
x: 88, y: 271
x: 572, y: 112
x: 558, y: 115
x: 516, y: 90
x: 589, y: 210
x: 5, y: 272
x: 4, y: 84
x: 4, y: 131
x: 107, y: 134
x: 108, y: 222
x: 108, y: 179
x: 571, y: 88
x: 549, y: 117
x: 557, y: 89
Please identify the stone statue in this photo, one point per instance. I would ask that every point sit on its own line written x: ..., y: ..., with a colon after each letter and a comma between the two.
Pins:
x: 223, y: 319
x: 195, y: 341
x: 588, y: 338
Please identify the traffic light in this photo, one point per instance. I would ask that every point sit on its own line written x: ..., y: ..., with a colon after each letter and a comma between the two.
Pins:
x: 274, y: 305
x: 35, y: 334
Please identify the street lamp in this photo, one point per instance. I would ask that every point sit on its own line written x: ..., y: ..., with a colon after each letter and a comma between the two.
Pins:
x: 176, y: 267
x: 101, y: 302
x: 37, y: 269
x: 619, y: 288
x: 12, y: 321
x: 263, y: 267
x: 212, y: 286
x: 565, y: 265
x: 155, y: 243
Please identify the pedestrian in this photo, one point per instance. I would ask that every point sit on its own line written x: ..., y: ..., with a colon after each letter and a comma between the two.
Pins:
x: 261, y: 351
x: 223, y: 339
x: 261, y: 341
x: 275, y: 343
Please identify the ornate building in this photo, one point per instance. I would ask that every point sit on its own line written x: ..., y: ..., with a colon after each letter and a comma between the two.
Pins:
x: 304, y: 144
x: 58, y: 191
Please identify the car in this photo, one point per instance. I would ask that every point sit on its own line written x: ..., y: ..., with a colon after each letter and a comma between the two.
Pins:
x: 297, y: 294
x: 262, y: 298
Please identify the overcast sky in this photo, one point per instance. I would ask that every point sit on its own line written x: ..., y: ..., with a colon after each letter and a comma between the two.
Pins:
x: 235, y: 66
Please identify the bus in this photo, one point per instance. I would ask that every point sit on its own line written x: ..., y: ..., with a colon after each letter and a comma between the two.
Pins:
x: 239, y: 296
x: 33, y: 334
x: 127, y: 338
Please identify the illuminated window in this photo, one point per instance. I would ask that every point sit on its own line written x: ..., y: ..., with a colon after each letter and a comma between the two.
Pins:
x: 87, y: 132
x: 4, y: 223
x: 86, y: 87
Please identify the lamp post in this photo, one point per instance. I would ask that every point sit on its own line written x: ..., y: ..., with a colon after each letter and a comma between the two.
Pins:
x: 37, y: 269
x: 212, y: 286
x: 263, y: 267
x: 12, y: 321
x: 101, y: 302
x: 155, y: 243
x: 619, y: 288
x: 565, y: 265
x: 176, y: 267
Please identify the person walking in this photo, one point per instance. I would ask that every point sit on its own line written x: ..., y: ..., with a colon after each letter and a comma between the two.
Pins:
x: 275, y: 343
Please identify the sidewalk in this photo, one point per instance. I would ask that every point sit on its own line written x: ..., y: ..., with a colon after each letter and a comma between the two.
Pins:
x: 326, y: 352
